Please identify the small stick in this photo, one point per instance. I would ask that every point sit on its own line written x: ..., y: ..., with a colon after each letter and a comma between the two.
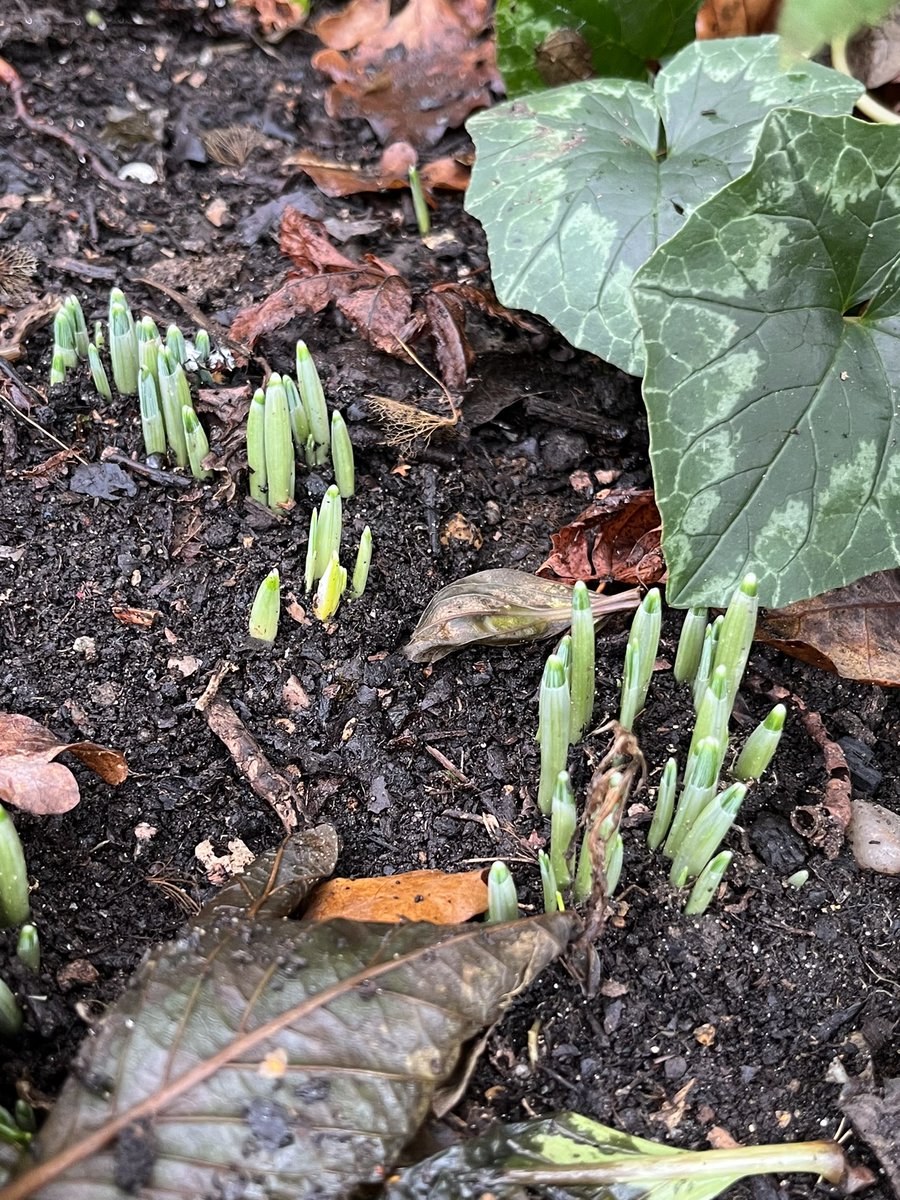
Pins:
x: 154, y: 474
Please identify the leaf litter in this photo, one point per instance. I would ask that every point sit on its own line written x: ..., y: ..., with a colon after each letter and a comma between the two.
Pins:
x: 412, y: 75
x: 230, y: 1060
x: 30, y: 776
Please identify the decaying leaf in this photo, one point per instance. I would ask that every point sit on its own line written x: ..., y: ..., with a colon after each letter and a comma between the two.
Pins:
x: 499, y: 608
x: 349, y: 179
x: 412, y: 75
x: 276, y: 18
x: 377, y: 301
x: 32, y: 780
x: 258, y: 1056
x: 437, y: 896
x: 853, y: 630
x: 736, y: 18
x: 615, y: 539
x: 558, y: 1155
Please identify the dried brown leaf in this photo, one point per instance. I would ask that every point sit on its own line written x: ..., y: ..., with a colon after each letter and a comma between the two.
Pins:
x: 436, y: 896
x: 350, y: 179
x: 30, y: 779
x: 382, y: 314
x: 616, y: 539
x: 736, y: 18
x: 854, y: 630
x: 446, y: 318
x: 412, y: 75
x: 498, y: 608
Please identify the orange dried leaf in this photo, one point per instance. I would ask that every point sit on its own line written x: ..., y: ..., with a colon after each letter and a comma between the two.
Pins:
x: 29, y: 777
x: 435, y: 896
x: 349, y: 179
x: 143, y: 618
x: 854, y: 630
x: 412, y: 75
x: 616, y: 539
x: 736, y: 18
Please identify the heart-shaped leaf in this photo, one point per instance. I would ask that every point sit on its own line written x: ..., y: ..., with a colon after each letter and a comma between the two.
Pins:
x: 259, y: 1056
x: 576, y: 187
x: 772, y: 325
x: 543, y: 43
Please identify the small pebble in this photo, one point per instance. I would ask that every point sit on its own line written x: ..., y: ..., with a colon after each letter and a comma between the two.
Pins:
x: 563, y: 450
x: 875, y: 837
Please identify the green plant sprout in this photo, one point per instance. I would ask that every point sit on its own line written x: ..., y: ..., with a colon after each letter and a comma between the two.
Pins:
x: 123, y: 350
x: 707, y: 884
x: 760, y: 747
x: 563, y: 819
x: 57, y: 367
x: 98, y: 374
x: 553, y: 720
x: 328, y: 530
x: 176, y: 344
x: 76, y: 315
x: 640, y: 655
x: 664, y: 808
x: 153, y: 427
x: 332, y: 586
x: 553, y: 901
x: 420, y: 204
x: 707, y: 658
x: 266, y: 609
x: 342, y: 456
x: 299, y: 421
x: 363, y: 562
x: 313, y: 397
x: 690, y: 644
x: 14, y: 902
x: 582, y: 679
x: 28, y: 948
x: 256, y: 447
x: 64, y: 338
x: 503, y: 900
x: 279, y: 446
x: 10, y: 1013
x: 202, y: 347
x: 309, y: 573
x: 197, y: 442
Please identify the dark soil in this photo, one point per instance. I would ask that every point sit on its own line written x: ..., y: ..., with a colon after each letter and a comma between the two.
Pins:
x: 737, y: 1019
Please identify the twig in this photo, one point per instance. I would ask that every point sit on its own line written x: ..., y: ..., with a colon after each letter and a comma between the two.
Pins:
x: 166, y: 478
x: 11, y: 78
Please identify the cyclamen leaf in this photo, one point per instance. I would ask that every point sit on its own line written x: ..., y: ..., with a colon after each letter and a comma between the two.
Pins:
x: 576, y: 187
x: 772, y: 324
x: 476, y: 1167
x: 619, y: 36
x: 256, y: 1056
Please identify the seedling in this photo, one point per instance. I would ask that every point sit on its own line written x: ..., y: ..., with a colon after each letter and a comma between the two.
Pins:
x: 690, y: 645
x: 640, y: 655
x: 503, y: 900
x: 152, y: 424
x: 266, y: 608
x: 256, y: 447
x: 313, y: 397
x: 331, y: 587
x: 64, y: 337
x: 14, y: 904
x: 123, y: 351
x: 175, y: 344
x: 328, y: 530
x: 76, y: 315
x: 342, y: 456
x: 197, y: 442
x: 583, y: 663
x: 28, y: 948
x: 98, y: 374
x: 279, y: 446
x: 760, y: 747
x: 420, y: 204
x: 553, y: 709
x: 707, y: 884
x: 10, y: 1013
x: 563, y: 819
x: 363, y: 562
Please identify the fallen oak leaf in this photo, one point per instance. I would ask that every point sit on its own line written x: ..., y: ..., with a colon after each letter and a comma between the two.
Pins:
x: 440, y: 897
x: 617, y: 538
x: 32, y: 780
x: 412, y: 75
x: 853, y: 631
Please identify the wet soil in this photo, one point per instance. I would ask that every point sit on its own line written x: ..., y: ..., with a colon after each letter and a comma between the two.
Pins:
x: 745, y: 1019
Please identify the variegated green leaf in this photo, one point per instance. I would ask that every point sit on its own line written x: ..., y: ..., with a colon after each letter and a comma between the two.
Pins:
x: 577, y: 186
x: 772, y: 325
x: 619, y: 36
